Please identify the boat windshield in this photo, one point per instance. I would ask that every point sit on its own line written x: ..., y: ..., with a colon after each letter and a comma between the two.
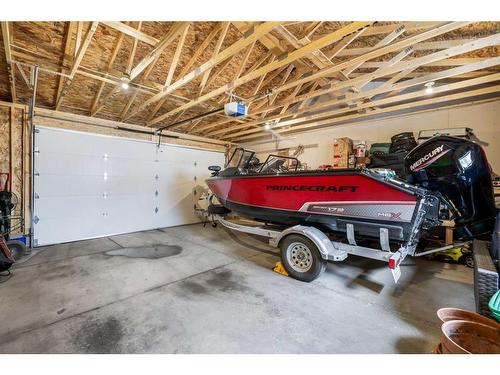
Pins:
x: 278, y: 163
x: 240, y: 158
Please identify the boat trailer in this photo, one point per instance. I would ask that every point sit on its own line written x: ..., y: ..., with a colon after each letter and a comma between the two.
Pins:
x: 306, y: 249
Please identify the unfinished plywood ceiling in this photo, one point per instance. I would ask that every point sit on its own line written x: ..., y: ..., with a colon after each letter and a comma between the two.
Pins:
x: 295, y: 76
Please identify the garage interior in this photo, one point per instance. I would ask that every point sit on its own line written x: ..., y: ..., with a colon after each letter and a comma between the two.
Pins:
x: 107, y: 133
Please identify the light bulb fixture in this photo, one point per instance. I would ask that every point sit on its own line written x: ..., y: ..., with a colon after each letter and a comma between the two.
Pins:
x: 267, y: 126
x: 429, y: 88
x: 125, y: 81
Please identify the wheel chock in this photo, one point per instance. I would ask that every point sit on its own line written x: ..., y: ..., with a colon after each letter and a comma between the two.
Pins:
x: 278, y: 268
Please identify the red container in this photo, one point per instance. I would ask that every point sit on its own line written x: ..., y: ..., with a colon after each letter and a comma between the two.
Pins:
x: 464, y: 337
x: 449, y: 313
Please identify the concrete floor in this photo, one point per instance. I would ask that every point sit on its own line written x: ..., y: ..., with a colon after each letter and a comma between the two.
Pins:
x: 212, y: 291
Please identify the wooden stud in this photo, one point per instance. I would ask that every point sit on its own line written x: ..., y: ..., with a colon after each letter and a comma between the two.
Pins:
x: 8, y: 57
x: 23, y: 75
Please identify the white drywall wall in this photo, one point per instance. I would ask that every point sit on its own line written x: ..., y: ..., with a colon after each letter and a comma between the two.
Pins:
x: 483, y: 118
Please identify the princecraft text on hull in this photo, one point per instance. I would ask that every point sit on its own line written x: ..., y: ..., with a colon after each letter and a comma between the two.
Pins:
x: 449, y: 180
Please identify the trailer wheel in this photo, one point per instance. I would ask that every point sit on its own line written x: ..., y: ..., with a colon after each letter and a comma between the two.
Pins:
x: 301, y: 258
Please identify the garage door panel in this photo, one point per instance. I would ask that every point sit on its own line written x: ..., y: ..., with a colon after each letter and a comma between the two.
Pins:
x: 131, y: 213
x: 91, y: 185
x: 59, y: 185
x: 64, y: 207
x: 130, y: 167
x: 73, y: 164
x: 127, y: 185
x: 53, y: 228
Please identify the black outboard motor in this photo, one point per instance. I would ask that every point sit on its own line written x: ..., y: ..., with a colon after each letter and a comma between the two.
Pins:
x: 456, y: 168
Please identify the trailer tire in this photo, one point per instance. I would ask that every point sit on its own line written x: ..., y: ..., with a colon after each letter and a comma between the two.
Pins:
x: 301, y: 258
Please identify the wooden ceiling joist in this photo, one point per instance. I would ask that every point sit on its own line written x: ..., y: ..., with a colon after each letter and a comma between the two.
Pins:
x: 72, y: 26
x: 158, y: 48
x: 317, y: 57
x: 435, y: 31
x: 344, y: 99
x: 76, y: 63
x: 134, y: 33
x: 118, y: 45
x: 400, y: 107
x: 218, y: 45
x: 340, y: 46
x: 317, y: 44
x: 258, y: 32
x: 397, y: 46
x: 424, y: 46
x: 311, y: 29
x: 387, y: 40
x: 136, y: 92
x: 131, y: 55
x: 446, y: 62
x: 409, y: 27
x: 282, y: 70
x: 171, y: 70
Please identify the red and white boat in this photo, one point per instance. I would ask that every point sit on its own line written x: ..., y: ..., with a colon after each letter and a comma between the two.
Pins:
x: 277, y: 192
x: 448, y: 179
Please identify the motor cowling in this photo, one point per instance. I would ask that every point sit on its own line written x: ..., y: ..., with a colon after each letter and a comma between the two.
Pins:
x: 456, y: 168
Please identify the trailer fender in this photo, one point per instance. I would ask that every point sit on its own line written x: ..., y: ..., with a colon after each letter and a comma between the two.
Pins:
x: 319, y: 238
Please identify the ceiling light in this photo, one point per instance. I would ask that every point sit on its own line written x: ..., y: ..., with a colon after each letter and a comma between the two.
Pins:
x: 429, y: 88
x: 125, y: 82
x: 267, y: 126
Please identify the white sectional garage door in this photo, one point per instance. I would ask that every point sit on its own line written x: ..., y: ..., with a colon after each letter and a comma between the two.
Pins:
x: 88, y: 185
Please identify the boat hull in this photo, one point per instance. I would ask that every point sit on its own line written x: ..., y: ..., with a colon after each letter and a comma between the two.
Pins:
x: 330, y: 199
